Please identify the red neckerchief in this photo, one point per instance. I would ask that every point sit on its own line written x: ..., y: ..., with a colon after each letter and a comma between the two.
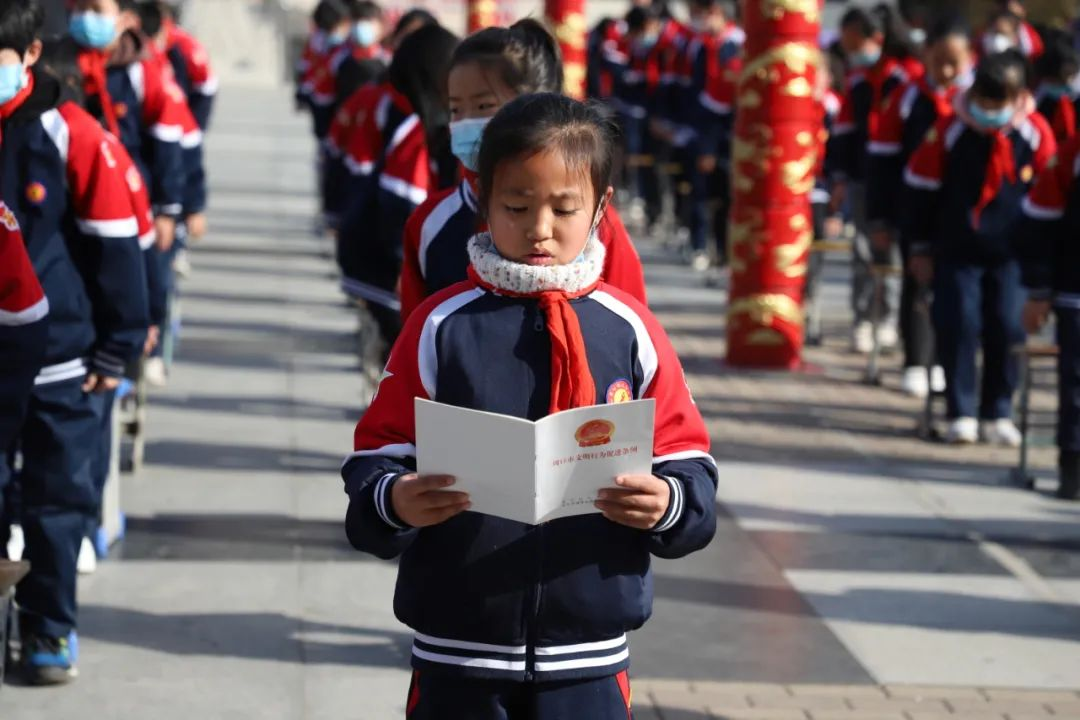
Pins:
x: 943, y: 101
x: 8, y: 109
x: 1000, y: 167
x: 572, y: 384
x: 877, y: 76
x: 1065, y: 119
x: 95, y: 83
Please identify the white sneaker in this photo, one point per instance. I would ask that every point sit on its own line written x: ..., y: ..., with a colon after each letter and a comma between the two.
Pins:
x: 701, y: 262
x: 937, y: 379
x: 87, y: 563
x: 915, y: 383
x: 862, y: 338
x: 1002, y: 431
x: 888, y: 337
x: 963, y: 431
x: 16, y: 543
x: 154, y: 371
x: 182, y: 264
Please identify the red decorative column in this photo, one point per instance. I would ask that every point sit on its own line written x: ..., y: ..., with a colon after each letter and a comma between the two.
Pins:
x: 482, y: 14
x: 774, y: 164
x: 567, y: 19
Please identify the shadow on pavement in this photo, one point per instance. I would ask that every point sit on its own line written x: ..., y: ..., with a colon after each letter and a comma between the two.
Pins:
x: 228, y: 456
x: 252, y: 636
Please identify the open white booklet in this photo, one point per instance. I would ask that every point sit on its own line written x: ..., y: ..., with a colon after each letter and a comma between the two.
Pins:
x: 535, y: 472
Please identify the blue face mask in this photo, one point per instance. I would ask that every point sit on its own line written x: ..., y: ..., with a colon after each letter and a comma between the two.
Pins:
x: 92, y: 30
x: 336, y: 39
x: 12, y: 80
x: 365, y: 34
x: 864, y: 58
x: 988, y: 120
x: 465, y: 137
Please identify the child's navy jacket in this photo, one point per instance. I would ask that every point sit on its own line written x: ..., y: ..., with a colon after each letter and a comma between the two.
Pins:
x: 71, y: 199
x: 965, y: 187
x: 494, y: 598
x: 1048, y: 242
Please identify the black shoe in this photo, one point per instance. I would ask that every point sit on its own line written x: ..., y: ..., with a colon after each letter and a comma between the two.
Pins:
x: 47, y: 661
x: 1069, y: 467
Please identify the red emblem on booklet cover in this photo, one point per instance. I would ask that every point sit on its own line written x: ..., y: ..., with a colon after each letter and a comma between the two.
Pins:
x: 595, y: 433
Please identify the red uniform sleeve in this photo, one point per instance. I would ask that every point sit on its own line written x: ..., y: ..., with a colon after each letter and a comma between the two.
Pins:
x: 140, y: 196
x: 1049, y: 195
x: 887, y: 137
x: 407, y: 172
x: 197, y: 61
x: 1048, y: 145
x: 163, y: 103
x: 413, y: 287
x: 622, y: 264
x: 21, y: 299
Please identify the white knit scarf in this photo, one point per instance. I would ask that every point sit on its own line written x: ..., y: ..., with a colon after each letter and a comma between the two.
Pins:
x: 522, y: 279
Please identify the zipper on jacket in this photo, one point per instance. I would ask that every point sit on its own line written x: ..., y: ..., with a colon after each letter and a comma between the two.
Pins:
x: 532, y: 632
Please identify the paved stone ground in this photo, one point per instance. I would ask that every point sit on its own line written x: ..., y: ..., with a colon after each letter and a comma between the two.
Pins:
x: 857, y: 572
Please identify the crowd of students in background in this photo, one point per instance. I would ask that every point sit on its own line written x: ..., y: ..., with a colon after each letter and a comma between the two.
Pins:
x: 943, y: 154
x: 942, y: 142
x: 101, y: 183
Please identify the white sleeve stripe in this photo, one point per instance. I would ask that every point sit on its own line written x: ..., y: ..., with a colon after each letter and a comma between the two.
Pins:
x: 138, y: 80
x: 358, y: 168
x: 403, y: 189
x: 428, y: 360
x: 168, y: 133
x: 435, y: 222
x: 381, y: 500
x: 208, y: 88
x: 685, y: 455
x: 402, y: 132
x: 920, y: 182
x: 57, y: 128
x: 646, y: 353
x: 125, y: 228
x: 397, y: 450
x: 675, y: 506
x: 29, y: 315
x: 1040, y: 212
x: 714, y: 105
x: 147, y: 241
x: 876, y: 147
x: 191, y: 140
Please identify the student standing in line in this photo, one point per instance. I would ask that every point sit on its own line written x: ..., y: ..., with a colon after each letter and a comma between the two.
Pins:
x: 489, y: 69
x: 965, y: 186
x: 75, y: 210
x: 1048, y: 244
x: 1057, y: 93
x: 515, y: 621
x: 908, y: 113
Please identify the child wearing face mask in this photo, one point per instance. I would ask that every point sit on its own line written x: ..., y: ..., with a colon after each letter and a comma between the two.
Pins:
x: 503, y: 627
x: 1009, y: 30
x: 1057, y: 94
x: 908, y: 113
x: 879, y: 62
x: 489, y: 69
x: 965, y: 184
x: 362, y: 58
x: 317, y: 89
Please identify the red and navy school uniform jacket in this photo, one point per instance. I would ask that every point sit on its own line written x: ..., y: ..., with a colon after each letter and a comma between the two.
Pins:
x: 494, y: 598
x: 23, y: 327
x: 148, y: 114
x: 965, y: 187
x: 829, y: 104
x: 354, y: 116
x: 861, y: 110
x: 319, y: 91
x: 354, y: 66
x: 1063, y: 113
x: 391, y: 177
x: 907, y: 115
x: 314, y: 50
x: 65, y: 186
x: 436, y: 248
x: 717, y: 63
x: 1048, y: 242
x: 603, y: 43
x: 194, y: 75
x: 639, y: 88
x: 671, y: 105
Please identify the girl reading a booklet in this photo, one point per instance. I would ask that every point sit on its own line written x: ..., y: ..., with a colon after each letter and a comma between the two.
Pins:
x: 514, y: 620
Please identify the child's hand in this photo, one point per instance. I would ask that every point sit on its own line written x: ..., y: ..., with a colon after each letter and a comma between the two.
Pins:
x: 1036, y: 313
x: 639, y: 502
x: 420, y: 502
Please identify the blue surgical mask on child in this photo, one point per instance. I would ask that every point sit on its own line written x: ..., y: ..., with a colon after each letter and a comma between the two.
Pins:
x: 465, y: 137
x: 92, y: 30
x: 991, y: 119
x: 1056, y: 91
x: 12, y: 81
x: 865, y: 58
x: 594, y: 232
x: 365, y: 34
x: 648, y: 42
x: 337, y: 39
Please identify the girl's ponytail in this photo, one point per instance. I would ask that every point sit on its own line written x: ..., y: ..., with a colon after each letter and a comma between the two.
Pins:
x: 525, y: 56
